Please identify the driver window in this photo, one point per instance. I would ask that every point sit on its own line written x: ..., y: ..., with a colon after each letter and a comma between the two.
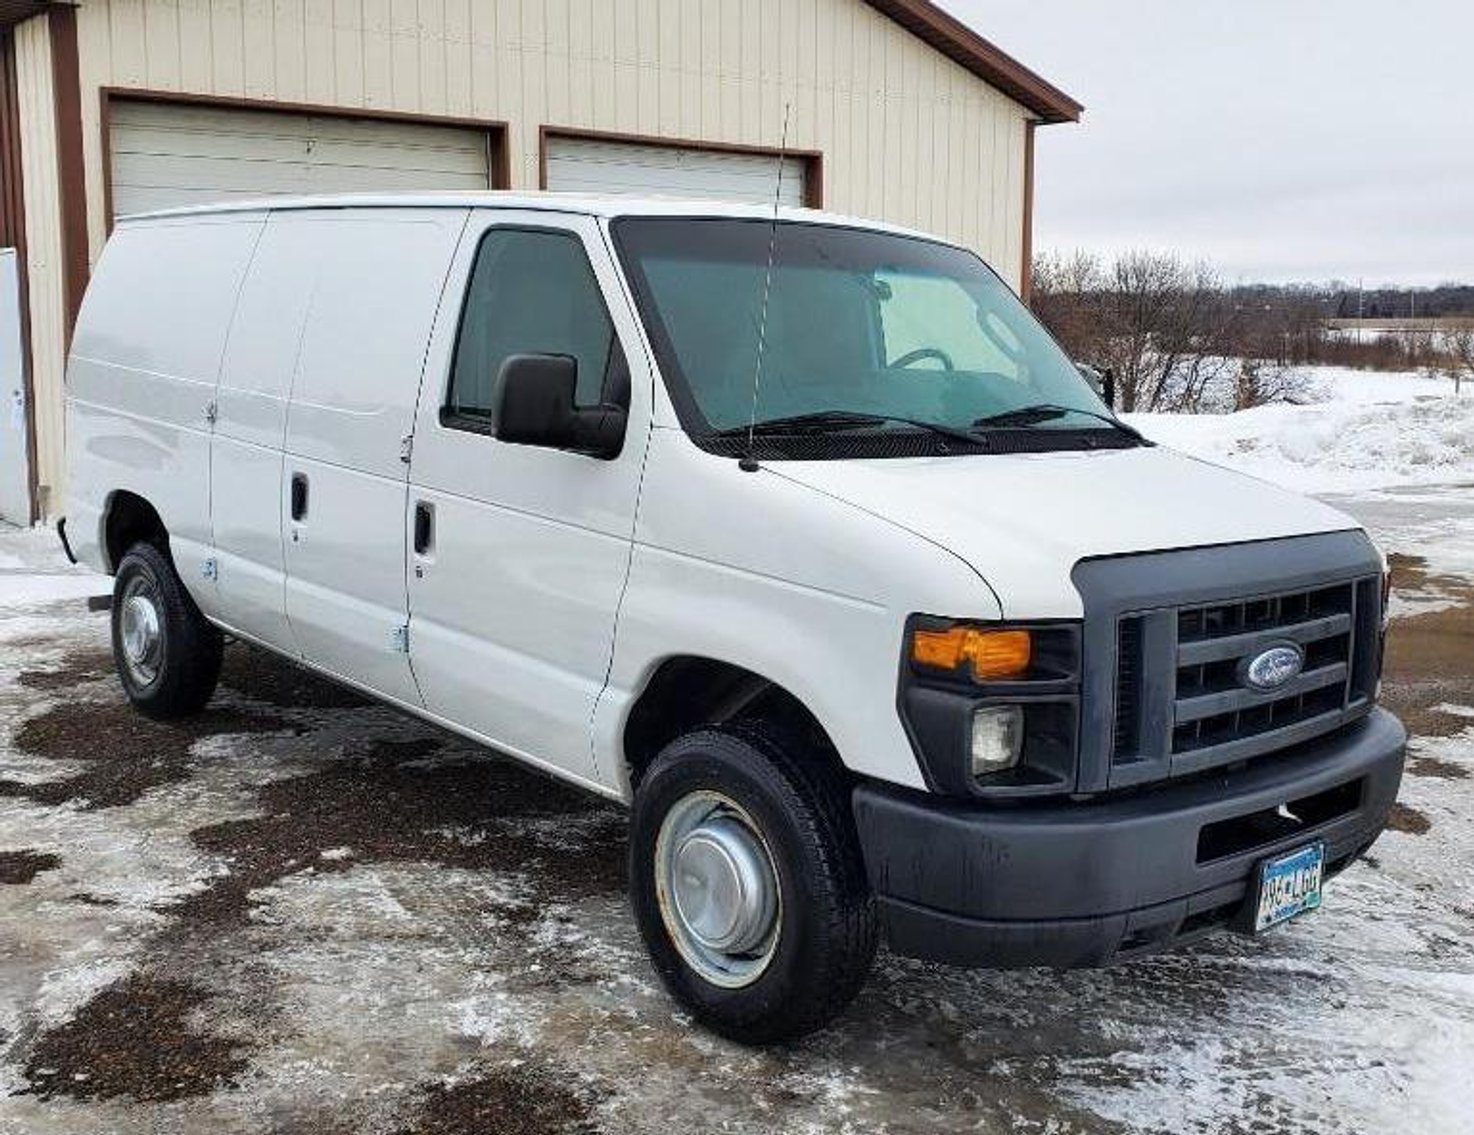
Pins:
x: 929, y: 322
x: 531, y: 292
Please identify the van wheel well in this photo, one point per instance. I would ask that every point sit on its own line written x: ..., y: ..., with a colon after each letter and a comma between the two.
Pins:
x: 131, y: 519
x: 687, y: 693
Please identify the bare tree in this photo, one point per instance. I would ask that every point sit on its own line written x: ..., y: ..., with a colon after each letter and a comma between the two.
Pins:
x: 1164, y: 325
x: 1458, y: 346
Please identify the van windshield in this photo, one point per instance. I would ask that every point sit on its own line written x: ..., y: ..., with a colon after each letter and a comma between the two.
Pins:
x: 868, y: 335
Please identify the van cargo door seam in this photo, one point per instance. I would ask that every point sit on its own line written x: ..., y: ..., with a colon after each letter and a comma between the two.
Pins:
x: 407, y: 443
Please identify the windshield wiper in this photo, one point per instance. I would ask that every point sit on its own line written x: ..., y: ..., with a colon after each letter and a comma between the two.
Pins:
x: 1047, y: 411
x: 826, y: 421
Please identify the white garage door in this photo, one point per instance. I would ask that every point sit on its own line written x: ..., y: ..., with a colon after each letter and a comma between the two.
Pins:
x: 587, y: 165
x: 166, y: 155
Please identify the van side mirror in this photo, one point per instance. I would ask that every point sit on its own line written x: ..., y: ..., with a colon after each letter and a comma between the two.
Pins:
x: 535, y: 406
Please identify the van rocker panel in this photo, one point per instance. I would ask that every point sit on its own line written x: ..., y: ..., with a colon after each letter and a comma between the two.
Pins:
x: 1068, y: 884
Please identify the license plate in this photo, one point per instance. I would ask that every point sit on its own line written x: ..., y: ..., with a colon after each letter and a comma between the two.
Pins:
x: 1288, y: 885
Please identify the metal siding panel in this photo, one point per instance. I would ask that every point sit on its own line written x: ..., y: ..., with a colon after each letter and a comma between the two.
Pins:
x: 459, y: 77
x: 378, y: 55
x: 161, y: 45
x: 227, y: 47
x: 45, y: 283
x: 258, y: 41
x: 289, y: 40
x: 129, y: 52
x: 406, y: 88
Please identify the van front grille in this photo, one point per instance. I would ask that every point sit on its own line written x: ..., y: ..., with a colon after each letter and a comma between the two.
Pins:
x: 1203, y: 711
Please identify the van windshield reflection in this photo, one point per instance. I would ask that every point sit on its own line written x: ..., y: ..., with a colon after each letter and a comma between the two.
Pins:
x: 863, y: 331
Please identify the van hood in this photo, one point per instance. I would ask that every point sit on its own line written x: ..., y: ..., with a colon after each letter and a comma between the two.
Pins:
x: 1023, y: 521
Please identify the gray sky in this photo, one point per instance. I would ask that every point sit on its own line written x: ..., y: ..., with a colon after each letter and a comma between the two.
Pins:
x: 1281, y: 139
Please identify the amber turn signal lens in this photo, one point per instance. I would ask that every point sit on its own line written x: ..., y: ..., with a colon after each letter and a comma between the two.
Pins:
x: 991, y: 654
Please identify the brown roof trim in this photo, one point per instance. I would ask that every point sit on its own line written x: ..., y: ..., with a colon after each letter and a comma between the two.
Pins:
x: 13, y: 12
x: 964, y: 46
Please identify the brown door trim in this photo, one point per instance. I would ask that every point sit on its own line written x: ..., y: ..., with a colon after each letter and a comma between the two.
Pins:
x: 813, y: 159
x: 498, y: 157
x: 71, y: 174
x: 13, y: 235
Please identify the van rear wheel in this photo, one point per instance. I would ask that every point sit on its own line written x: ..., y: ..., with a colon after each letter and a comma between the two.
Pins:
x: 748, y: 885
x: 168, y: 656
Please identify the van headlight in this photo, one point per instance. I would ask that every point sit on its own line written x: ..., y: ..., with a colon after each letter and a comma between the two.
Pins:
x: 993, y: 709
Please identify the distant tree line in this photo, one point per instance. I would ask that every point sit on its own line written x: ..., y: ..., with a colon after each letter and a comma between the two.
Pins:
x: 1178, y: 338
x: 1347, y: 301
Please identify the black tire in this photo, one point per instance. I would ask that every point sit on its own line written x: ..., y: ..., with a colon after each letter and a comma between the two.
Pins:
x: 177, y: 678
x: 826, y: 928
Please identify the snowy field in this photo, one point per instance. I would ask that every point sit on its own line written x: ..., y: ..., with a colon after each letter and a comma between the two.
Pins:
x: 303, y: 914
x: 1363, y: 430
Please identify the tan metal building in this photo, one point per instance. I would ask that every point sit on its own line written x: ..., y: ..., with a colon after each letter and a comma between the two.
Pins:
x: 897, y: 111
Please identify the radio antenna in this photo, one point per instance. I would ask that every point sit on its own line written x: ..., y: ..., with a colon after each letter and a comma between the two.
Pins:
x: 749, y: 463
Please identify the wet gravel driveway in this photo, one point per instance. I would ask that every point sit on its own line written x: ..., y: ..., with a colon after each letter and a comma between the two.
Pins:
x: 304, y: 913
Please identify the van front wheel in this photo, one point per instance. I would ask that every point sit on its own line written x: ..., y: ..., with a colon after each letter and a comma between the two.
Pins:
x: 168, y: 656
x: 748, y: 885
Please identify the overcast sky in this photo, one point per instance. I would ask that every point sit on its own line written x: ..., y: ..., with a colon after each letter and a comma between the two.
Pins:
x: 1282, y: 139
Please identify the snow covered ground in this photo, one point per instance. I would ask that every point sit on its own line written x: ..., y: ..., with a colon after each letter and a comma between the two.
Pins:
x: 1364, y: 430
x: 224, y: 926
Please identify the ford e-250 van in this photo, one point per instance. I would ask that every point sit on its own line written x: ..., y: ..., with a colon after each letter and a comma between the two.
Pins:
x: 797, y: 534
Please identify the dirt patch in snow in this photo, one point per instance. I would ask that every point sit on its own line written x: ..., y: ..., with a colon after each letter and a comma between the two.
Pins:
x: 76, y: 668
x: 1409, y: 820
x: 1427, y: 659
x: 20, y: 867
x: 412, y: 801
x: 1434, y: 767
x: 123, y: 753
x: 138, y: 1037
x: 517, y: 1098
x: 264, y: 677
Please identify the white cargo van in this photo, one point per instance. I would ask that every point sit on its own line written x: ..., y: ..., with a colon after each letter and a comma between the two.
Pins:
x: 796, y: 533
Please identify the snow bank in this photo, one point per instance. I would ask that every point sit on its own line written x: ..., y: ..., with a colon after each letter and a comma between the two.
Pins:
x: 1368, y: 430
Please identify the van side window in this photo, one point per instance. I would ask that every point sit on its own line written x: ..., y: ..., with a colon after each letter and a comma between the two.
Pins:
x: 531, y: 292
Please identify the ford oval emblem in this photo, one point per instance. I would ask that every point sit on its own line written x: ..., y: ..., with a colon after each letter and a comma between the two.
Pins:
x: 1274, y: 667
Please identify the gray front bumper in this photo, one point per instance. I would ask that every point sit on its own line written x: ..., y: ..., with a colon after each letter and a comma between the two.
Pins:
x: 1077, y: 884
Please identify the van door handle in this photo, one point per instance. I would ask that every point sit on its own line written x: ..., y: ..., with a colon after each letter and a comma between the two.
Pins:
x: 299, y: 496
x: 424, y: 527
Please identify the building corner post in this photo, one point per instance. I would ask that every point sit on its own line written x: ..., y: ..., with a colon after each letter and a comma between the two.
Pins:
x: 71, y: 170
x: 1026, y: 269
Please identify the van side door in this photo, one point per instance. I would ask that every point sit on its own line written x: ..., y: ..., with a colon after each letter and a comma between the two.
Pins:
x: 379, y: 277
x: 519, y: 553
x: 250, y: 427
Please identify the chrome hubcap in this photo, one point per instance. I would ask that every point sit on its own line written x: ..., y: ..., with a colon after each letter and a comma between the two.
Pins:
x: 141, y: 631
x: 718, y: 890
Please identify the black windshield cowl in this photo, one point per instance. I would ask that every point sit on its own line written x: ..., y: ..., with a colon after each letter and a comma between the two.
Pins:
x: 841, y: 444
x: 826, y: 421
x: 1024, y: 416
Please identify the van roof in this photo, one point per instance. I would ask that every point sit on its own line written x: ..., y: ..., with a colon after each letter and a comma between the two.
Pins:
x: 609, y: 206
